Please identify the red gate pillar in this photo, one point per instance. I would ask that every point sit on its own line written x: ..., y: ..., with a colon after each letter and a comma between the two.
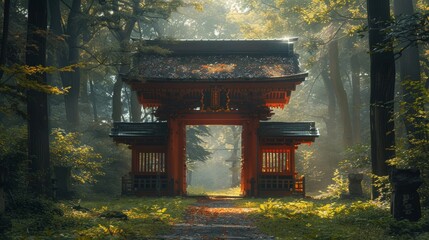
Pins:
x: 134, y: 159
x: 244, y: 167
x: 176, y: 157
x: 249, y: 176
x: 181, y: 165
x: 172, y: 156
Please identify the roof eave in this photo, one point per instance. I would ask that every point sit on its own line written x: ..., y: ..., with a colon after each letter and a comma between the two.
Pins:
x: 299, y: 77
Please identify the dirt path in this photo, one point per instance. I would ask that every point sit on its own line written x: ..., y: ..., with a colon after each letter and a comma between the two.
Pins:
x: 216, y: 218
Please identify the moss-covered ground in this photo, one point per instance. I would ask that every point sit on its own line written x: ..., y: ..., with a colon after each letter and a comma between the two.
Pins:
x: 282, y: 218
x: 147, y: 217
x: 297, y: 218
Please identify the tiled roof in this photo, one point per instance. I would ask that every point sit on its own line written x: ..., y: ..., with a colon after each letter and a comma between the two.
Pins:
x: 266, y: 129
x: 288, y: 129
x: 216, y: 67
x: 216, y: 60
x: 127, y: 130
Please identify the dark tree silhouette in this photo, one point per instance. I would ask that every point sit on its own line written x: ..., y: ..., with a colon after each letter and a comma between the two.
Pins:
x: 382, y: 90
x: 68, y: 54
x: 37, y: 110
x: 340, y: 93
x: 409, y: 70
x: 5, y: 34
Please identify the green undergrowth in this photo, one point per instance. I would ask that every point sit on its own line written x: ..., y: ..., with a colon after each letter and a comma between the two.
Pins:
x: 146, y: 217
x: 201, y: 191
x: 293, y: 218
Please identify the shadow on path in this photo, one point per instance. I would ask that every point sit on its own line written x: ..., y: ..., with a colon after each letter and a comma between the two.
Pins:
x: 216, y: 218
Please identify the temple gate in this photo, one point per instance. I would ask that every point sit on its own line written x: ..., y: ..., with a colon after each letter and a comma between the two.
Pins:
x: 214, y: 82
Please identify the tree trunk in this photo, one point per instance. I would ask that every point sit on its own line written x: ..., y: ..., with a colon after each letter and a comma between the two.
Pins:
x: 117, y: 99
x: 123, y: 33
x: 124, y: 69
x: 72, y: 79
x: 135, y: 107
x: 409, y: 71
x: 84, y: 97
x: 330, y: 121
x: 93, y: 100
x: 57, y: 29
x: 38, y: 128
x: 5, y: 34
x: 382, y: 91
x: 355, y: 69
x: 340, y: 93
x: 68, y: 54
x: 84, y: 93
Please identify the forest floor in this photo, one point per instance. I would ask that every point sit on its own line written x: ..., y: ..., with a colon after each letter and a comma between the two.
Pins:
x: 216, y: 218
x: 194, y: 218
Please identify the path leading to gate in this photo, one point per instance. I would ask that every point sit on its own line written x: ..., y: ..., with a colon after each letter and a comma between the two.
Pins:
x: 216, y: 218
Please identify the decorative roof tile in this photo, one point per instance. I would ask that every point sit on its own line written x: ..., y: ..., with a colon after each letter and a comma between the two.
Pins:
x: 139, y: 130
x: 288, y: 129
x: 216, y: 67
x: 219, y: 60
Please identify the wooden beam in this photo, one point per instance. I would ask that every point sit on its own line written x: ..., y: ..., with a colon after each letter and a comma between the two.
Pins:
x: 284, y: 83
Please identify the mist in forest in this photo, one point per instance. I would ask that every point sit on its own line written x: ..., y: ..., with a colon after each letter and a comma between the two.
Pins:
x: 103, y: 98
x: 221, y: 170
x: 84, y: 101
x: 98, y: 98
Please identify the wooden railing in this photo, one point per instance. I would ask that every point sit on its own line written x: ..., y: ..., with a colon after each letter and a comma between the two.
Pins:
x: 275, y: 161
x: 150, y: 184
x: 285, y: 184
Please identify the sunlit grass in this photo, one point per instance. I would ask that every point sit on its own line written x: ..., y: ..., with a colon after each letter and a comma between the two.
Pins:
x: 147, y: 217
x: 201, y: 191
x: 285, y: 218
x: 293, y: 218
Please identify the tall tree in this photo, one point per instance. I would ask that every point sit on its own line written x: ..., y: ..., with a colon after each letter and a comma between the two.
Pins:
x: 356, y: 99
x: 121, y: 18
x: 135, y: 108
x: 409, y: 71
x: 195, y: 151
x: 121, y: 25
x: 38, y: 127
x: 340, y: 93
x: 68, y: 54
x: 332, y: 103
x: 5, y: 34
x: 382, y: 90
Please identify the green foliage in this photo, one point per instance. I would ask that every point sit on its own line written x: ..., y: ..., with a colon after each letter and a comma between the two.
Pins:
x: 144, y: 49
x: 408, y: 30
x: 32, y: 214
x: 338, y: 187
x: 115, y: 161
x: 319, y: 11
x: 147, y: 217
x: 195, y: 151
x: 382, y: 184
x: 15, y: 82
x: 411, y: 230
x: 67, y: 151
x: 356, y: 159
x: 315, y: 219
x: 13, y: 157
x: 306, y: 165
x: 201, y: 191
x: 19, y: 74
x: 413, y: 150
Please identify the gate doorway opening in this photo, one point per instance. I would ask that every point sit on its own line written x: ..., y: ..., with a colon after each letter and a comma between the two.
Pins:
x: 213, y: 160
